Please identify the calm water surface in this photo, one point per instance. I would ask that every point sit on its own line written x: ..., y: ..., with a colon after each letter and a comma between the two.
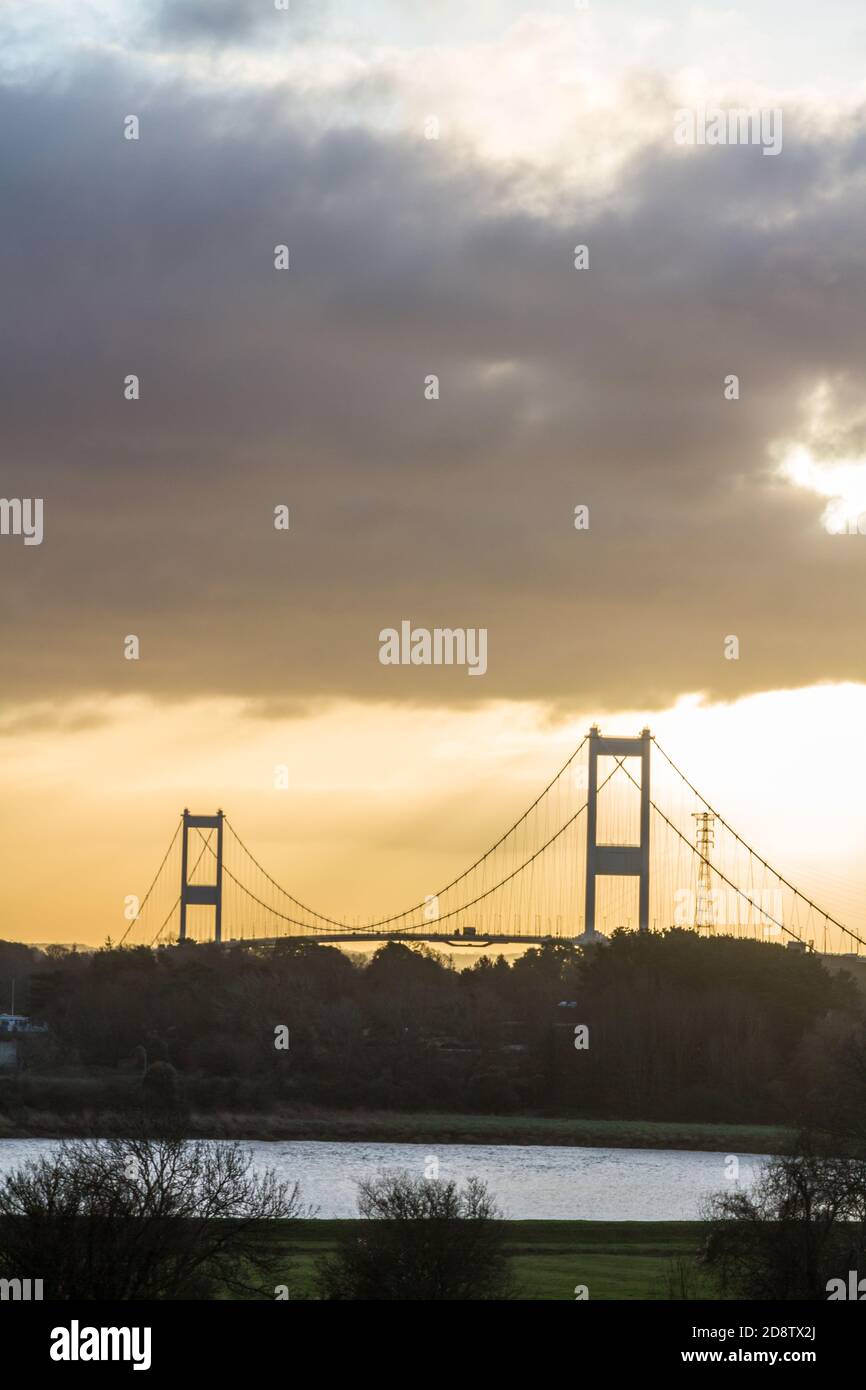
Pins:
x: 530, y: 1182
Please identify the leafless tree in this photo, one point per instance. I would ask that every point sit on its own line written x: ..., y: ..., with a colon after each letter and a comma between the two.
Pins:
x: 149, y: 1217
x: 801, y: 1225
x: 421, y: 1239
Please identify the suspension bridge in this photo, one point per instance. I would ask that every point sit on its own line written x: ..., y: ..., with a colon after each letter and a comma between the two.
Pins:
x: 619, y: 838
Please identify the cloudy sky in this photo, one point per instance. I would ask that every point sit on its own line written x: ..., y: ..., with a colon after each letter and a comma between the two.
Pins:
x: 410, y: 256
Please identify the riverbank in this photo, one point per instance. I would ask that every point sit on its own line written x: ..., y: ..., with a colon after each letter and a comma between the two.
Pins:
x: 420, y: 1128
x: 650, y: 1260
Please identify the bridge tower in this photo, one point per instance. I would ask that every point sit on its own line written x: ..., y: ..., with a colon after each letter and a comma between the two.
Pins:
x: 618, y: 860
x: 202, y: 894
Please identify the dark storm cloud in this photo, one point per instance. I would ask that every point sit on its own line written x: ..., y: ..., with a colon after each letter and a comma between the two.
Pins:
x: 229, y: 21
x: 558, y: 387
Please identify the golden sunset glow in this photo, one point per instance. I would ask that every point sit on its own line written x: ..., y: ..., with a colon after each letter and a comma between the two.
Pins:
x: 385, y: 804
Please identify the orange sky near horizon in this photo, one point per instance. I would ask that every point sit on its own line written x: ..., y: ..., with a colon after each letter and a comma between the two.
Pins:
x: 385, y: 803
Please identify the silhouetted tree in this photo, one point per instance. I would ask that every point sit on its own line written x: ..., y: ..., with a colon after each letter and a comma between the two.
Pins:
x: 142, y: 1218
x: 159, y: 1088
x: 681, y: 1028
x: 801, y: 1225
x: 422, y: 1239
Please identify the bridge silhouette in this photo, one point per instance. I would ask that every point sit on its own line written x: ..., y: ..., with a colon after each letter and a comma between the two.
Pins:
x: 619, y: 838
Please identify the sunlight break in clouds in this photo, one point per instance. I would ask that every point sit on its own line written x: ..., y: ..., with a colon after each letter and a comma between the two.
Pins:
x: 822, y: 461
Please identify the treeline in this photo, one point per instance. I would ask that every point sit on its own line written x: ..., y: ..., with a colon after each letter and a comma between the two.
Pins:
x: 677, y: 1027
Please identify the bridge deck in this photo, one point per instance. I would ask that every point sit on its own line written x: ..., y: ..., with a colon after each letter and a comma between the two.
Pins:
x: 417, y: 935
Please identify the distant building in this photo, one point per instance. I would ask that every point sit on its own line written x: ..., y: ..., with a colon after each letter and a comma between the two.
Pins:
x: 19, y: 1023
x: 591, y: 938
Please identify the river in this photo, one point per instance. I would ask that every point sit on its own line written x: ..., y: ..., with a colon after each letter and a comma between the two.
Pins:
x: 530, y: 1182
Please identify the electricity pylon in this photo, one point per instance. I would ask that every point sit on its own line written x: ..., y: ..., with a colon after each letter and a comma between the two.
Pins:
x: 705, y: 839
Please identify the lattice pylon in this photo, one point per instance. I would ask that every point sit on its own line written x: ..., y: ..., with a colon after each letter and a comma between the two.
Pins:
x: 705, y: 839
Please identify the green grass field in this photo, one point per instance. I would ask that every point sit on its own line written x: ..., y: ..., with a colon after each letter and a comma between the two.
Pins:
x: 532, y: 1129
x: 393, y: 1126
x: 613, y: 1259
x: 443, y: 1128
